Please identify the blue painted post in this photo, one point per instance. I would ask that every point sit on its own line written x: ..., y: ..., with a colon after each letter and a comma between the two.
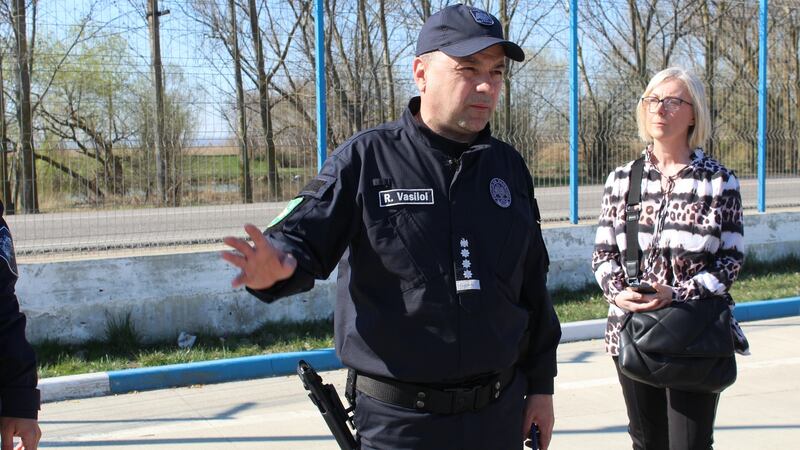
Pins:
x: 762, y: 107
x: 322, y: 117
x: 573, y: 111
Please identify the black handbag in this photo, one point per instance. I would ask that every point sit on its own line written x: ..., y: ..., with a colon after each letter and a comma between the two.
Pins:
x: 687, y: 345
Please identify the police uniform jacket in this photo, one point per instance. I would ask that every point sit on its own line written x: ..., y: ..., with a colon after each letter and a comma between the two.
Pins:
x: 444, y: 272
x: 18, y: 394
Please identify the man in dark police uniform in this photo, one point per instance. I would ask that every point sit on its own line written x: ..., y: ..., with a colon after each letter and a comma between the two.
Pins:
x: 19, y: 398
x: 442, y: 308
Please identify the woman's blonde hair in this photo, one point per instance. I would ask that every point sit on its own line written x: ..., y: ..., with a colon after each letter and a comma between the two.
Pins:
x: 699, y: 132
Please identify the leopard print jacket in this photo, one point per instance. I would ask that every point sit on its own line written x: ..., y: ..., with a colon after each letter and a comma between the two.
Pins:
x: 690, y: 236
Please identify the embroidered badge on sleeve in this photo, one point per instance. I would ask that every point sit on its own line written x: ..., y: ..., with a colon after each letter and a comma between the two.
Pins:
x: 7, y: 250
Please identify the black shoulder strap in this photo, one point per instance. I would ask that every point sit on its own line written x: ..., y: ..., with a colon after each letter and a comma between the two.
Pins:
x: 632, y: 211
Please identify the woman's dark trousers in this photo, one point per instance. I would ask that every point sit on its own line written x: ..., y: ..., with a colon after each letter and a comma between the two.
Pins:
x: 667, y: 419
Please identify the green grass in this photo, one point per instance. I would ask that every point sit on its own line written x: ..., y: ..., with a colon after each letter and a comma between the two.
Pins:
x: 57, y: 360
x: 201, y: 169
x: 121, y: 348
x: 205, y: 180
x: 196, y: 169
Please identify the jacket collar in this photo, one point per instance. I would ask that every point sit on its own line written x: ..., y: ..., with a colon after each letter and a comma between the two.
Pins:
x: 433, y: 140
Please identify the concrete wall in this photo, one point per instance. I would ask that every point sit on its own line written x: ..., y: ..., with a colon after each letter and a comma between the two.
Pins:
x: 72, y: 301
x: 767, y: 237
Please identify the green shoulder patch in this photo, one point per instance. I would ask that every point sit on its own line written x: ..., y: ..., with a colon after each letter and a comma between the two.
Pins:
x: 286, y: 211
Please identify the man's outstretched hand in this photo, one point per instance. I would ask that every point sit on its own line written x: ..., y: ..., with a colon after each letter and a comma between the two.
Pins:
x: 261, y: 265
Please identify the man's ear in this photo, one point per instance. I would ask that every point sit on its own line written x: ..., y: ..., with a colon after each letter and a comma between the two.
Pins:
x: 418, y: 68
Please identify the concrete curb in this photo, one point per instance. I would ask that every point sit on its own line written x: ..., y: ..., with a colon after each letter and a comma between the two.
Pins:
x: 235, y: 369
x: 74, y: 386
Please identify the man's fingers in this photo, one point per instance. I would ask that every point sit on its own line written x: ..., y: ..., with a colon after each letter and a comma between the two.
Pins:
x: 239, y: 280
x: 234, y: 259
x: 30, y: 440
x: 545, y: 431
x: 6, y: 438
x: 257, y: 236
x: 260, y: 265
x: 239, y: 245
x: 26, y: 429
x: 544, y: 440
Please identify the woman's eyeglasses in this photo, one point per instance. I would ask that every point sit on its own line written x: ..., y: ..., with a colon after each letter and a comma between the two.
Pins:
x: 671, y: 104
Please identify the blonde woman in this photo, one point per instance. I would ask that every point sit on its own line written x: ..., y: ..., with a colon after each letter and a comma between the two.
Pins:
x: 691, y: 247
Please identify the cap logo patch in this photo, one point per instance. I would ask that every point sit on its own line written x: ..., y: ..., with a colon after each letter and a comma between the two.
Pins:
x: 482, y: 17
x: 500, y: 192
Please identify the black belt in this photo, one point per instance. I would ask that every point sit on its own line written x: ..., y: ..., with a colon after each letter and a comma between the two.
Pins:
x: 448, y: 400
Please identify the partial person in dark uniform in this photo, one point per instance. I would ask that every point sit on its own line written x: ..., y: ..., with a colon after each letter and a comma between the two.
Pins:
x: 442, y: 307
x: 19, y: 398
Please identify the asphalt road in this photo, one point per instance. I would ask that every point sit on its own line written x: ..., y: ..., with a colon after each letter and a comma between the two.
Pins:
x: 760, y: 411
x: 76, y: 232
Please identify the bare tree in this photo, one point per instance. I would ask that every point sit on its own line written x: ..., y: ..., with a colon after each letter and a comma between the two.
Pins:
x: 520, y: 21
x: 387, y: 58
x: 29, y: 202
x: 644, y: 41
x: 44, y: 68
x: 341, y: 68
x: 253, y: 61
x: 246, y: 182
x: 263, y: 99
x: 177, y: 130
x: 6, y: 184
x: 794, y: 51
x: 365, y: 30
x: 709, y: 26
x: 161, y: 158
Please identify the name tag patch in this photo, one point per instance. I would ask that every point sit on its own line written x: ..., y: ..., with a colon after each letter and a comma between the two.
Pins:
x: 395, y: 197
x: 468, y: 285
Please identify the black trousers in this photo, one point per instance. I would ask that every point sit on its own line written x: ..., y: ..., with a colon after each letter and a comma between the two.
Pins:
x: 668, y: 419
x: 498, y: 426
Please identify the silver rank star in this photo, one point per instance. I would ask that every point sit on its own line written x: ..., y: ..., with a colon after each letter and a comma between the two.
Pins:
x: 464, y: 242
x: 466, y: 264
x: 465, y: 253
x: 467, y: 274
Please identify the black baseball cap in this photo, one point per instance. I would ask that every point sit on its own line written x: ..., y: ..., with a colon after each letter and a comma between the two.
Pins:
x: 460, y: 30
